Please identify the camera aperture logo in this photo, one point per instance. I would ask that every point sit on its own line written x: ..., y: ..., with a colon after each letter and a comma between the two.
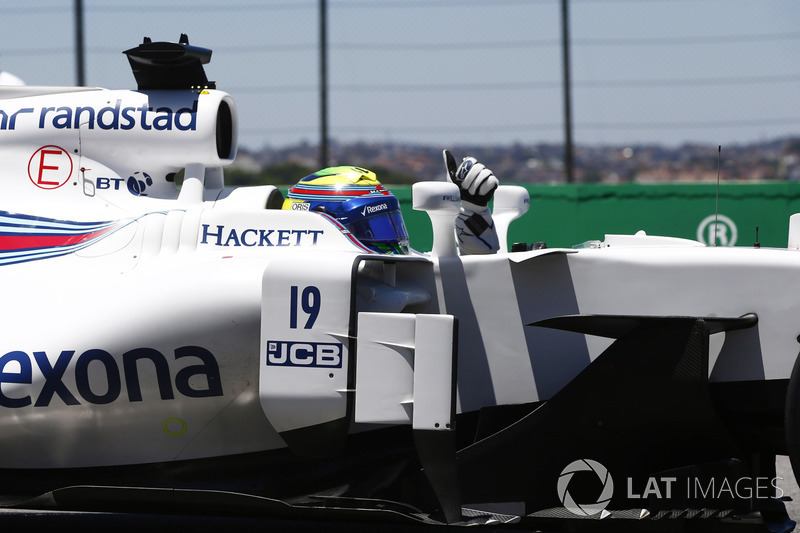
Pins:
x: 585, y: 488
x: 585, y: 508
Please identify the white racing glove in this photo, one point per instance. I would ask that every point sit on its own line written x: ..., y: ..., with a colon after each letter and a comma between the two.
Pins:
x: 474, y: 226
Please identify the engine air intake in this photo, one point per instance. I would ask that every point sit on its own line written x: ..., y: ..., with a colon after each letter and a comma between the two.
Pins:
x: 169, y: 66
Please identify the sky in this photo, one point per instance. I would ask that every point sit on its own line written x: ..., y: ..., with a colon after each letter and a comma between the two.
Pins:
x: 451, y: 72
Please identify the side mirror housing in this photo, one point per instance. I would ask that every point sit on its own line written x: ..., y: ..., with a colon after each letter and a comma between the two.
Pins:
x: 442, y: 201
x: 510, y: 203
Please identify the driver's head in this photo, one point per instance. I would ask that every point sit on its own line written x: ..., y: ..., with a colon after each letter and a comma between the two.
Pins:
x: 358, y: 201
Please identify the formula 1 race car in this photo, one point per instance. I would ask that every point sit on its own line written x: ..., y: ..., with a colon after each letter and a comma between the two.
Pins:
x: 199, y: 350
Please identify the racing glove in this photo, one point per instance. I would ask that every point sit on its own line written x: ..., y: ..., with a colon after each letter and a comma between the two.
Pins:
x: 474, y: 226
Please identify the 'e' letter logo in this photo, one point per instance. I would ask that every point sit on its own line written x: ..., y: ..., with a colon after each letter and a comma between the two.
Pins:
x: 50, y: 167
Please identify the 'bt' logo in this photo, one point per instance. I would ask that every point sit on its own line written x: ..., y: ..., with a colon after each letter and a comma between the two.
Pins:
x: 136, y: 184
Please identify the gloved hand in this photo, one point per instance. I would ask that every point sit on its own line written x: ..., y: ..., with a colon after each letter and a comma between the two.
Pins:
x: 474, y: 226
x: 476, y: 182
x: 476, y: 233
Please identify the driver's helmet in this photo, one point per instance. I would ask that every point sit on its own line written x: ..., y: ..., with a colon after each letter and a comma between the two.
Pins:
x: 357, y: 200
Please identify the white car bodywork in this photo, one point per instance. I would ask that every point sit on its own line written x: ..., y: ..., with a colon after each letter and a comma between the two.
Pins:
x: 146, y: 323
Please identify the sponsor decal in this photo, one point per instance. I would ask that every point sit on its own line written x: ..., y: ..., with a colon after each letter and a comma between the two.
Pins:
x: 136, y: 184
x: 304, y: 354
x: 717, y: 230
x: 8, y: 120
x: 220, y: 235
x: 104, y: 183
x: 110, y: 117
x: 464, y: 169
x: 68, y: 376
x: 368, y: 210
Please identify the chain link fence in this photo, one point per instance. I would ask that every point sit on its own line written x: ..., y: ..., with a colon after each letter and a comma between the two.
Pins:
x: 457, y: 73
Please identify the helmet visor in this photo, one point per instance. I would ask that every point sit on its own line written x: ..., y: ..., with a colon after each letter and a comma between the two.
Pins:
x: 384, y: 232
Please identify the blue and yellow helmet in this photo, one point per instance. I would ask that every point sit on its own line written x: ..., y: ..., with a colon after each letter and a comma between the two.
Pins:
x: 357, y: 200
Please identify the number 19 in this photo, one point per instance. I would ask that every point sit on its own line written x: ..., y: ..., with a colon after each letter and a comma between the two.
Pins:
x: 310, y: 301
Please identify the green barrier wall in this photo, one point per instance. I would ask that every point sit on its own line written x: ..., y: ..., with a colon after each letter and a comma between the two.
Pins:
x: 564, y: 215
